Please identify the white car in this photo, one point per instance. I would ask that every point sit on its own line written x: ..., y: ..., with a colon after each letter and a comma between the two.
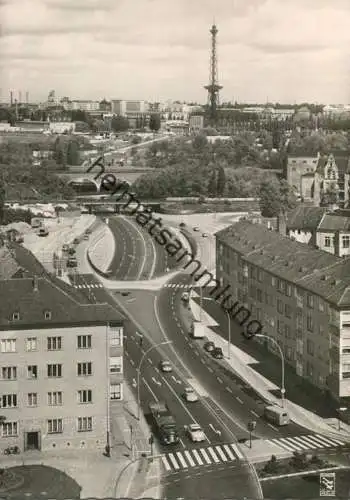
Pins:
x: 166, y: 367
x: 195, y: 433
x: 189, y: 395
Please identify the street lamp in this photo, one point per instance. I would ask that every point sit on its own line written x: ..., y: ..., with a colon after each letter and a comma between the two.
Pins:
x: 229, y: 329
x: 139, y: 372
x: 283, y: 390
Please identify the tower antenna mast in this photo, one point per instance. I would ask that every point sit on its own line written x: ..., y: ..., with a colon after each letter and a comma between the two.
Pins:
x: 213, y: 87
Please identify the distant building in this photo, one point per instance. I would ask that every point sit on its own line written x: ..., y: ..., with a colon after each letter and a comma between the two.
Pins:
x: 62, y: 127
x: 61, y: 369
x: 196, y: 123
x: 302, y: 223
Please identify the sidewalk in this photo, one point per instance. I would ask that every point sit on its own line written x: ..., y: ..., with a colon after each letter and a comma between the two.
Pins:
x: 240, y: 364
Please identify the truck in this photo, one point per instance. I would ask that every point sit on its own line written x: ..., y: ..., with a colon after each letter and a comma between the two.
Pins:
x: 164, y: 423
x: 197, y: 330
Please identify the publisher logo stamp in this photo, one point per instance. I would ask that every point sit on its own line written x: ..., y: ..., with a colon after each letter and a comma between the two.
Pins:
x: 327, y: 484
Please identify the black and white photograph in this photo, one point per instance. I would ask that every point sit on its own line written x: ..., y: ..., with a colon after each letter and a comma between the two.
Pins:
x: 174, y: 249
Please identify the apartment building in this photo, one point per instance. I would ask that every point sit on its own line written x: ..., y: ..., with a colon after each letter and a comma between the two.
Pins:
x: 61, y: 366
x: 300, y: 294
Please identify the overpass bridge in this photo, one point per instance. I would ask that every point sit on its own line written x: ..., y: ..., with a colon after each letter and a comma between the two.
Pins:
x: 117, y: 207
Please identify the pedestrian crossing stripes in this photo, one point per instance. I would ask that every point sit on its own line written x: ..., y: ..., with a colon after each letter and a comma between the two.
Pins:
x: 90, y: 285
x: 210, y: 455
x: 175, y: 285
x: 303, y: 443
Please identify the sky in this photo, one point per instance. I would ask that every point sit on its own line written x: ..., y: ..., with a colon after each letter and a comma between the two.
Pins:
x: 287, y: 51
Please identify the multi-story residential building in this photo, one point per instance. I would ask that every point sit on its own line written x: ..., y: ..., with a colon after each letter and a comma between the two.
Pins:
x: 333, y: 234
x: 61, y: 366
x: 302, y: 223
x: 299, y: 170
x: 301, y: 296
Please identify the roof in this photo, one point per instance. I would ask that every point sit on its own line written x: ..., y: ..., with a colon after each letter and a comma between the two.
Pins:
x: 341, y: 158
x: 319, y: 272
x: 333, y: 222
x: 8, y: 265
x: 305, y: 217
x: 67, y: 309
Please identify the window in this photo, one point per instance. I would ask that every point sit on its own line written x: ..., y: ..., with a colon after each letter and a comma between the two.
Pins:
x: 9, y: 429
x: 47, y: 314
x: 54, y: 371
x: 309, y: 369
x: 84, y: 424
x: 327, y: 241
x: 288, y: 290
x: 9, y: 372
x: 85, y: 396
x: 346, y: 241
x: 32, y: 399
x: 287, y: 331
x: 287, y: 311
x: 85, y: 368
x: 321, y: 305
x: 259, y: 275
x: 310, y: 301
x: 54, y: 343
x: 8, y: 345
x: 280, y: 306
x: 31, y: 344
x: 116, y: 364
x: 309, y: 323
x: 299, y: 318
x: 252, y: 272
x: 15, y: 316
x: 54, y: 398
x: 55, y: 426
x: 346, y: 350
x: 279, y: 326
x: 9, y: 401
x: 116, y: 336
x: 84, y: 341
x: 259, y: 294
x: 115, y: 391
x: 32, y: 371
x: 310, y: 347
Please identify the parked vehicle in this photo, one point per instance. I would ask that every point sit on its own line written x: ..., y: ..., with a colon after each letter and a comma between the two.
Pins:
x: 86, y: 236
x: 217, y: 353
x: 185, y: 296
x: 190, y: 396
x: 209, y: 346
x: 11, y: 450
x: 196, y: 229
x: 205, y: 235
x: 276, y: 415
x: 72, y: 262
x: 195, y: 433
x: 76, y: 241
x: 165, y: 367
x: 197, y: 330
x: 164, y: 422
x: 65, y: 247
x: 88, y: 231
x: 43, y: 231
x: 71, y: 250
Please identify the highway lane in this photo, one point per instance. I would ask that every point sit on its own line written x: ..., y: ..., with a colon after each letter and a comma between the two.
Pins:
x: 124, y: 264
x: 232, y: 396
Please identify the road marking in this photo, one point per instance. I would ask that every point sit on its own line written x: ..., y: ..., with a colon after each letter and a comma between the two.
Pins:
x: 210, y: 369
x: 206, y: 458
x: 327, y: 440
x: 273, y: 427
x: 217, y: 431
x: 132, y: 362
x: 181, y: 459
x: 219, y: 380
x: 202, y: 361
x: 150, y: 361
x: 196, y: 352
x: 173, y: 461
x: 181, y: 402
x: 182, y: 443
x: 221, y: 453
x: 150, y: 390
x: 237, y: 451
x: 197, y: 457
x: 212, y: 453
x: 254, y: 413
x: 189, y: 458
x: 239, y: 400
x: 228, y: 389
x: 229, y: 452
x: 166, y: 463
x: 156, y: 381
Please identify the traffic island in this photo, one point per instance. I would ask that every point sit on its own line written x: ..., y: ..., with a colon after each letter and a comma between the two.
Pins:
x: 298, y: 463
x: 10, y: 480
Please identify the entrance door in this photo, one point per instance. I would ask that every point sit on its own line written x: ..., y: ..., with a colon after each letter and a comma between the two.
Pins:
x: 32, y: 440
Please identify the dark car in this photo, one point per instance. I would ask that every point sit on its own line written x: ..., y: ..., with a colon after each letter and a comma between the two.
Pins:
x: 71, y: 251
x: 72, y: 262
x: 217, y: 353
x: 76, y: 241
x: 209, y: 346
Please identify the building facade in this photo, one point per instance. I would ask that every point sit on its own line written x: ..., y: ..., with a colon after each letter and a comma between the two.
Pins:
x: 301, y: 295
x: 61, y: 367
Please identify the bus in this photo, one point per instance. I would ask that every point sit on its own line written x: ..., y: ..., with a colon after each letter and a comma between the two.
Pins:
x: 276, y: 415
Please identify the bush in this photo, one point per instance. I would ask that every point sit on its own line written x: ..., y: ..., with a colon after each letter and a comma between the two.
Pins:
x: 299, y: 461
x: 271, y: 466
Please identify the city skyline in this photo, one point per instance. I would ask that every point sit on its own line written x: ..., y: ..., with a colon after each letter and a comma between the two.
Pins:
x: 290, y: 50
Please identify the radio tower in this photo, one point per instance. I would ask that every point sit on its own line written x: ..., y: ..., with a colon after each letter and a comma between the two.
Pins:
x: 213, y: 87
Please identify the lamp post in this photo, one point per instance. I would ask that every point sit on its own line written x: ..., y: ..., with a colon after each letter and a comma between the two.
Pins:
x: 229, y: 329
x: 283, y: 390
x: 139, y: 371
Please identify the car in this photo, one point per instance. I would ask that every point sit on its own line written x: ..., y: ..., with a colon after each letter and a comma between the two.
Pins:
x: 190, y: 396
x: 182, y: 224
x: 205, y: 235
x: 76, y: 241
x: 125, y: 294
x: 217, y: 353
x: 71, y: 251
x: 65, y: 248
x: 86, y: 236
x: 209, y: 346
x: 196, y: 229
x: 43, y: 232
x: 88, y: 231
x: 72, y: 262
x: 195, y: 433
x: 165, y: 367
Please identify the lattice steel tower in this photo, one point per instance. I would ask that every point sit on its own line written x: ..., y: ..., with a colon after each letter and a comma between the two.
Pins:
x: 213, y: 87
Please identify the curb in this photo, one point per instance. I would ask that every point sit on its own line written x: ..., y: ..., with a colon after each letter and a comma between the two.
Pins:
x: 101, y: 234
x: 304, y: 473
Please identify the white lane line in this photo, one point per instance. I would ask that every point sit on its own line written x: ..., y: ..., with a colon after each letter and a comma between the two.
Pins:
x: 273, y: 427
x: 302, y: 442
x: 189, y: 458
x: 181, y: 459
x: 239, y: 400
x: 197, y: 457
x: 150, y: 361
x: 219, y: 380
x: 237, y: 451
x: 166, y: 463
x: 254, y: 413
x: 212, y: 453
x: 229, y: 452
x: 228, y: 389
x: 183, y: 444
x: 277, y: 442
x: 311, y: 441
x: 326, y: 440
x: 173, y: 461
x: 204, y: 453
x: 132, y: 362
x: 210, y: 369
x: 150, y: 390
x: 221, y: 453
x: 291, y: 445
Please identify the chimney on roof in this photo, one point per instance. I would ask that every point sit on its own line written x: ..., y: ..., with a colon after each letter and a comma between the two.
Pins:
x: 282, y: 224
x: 35, y: 284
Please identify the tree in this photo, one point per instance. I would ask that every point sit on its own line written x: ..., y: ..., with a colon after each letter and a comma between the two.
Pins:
x: 275, y: 198
x: 73, y: 156
x: 154, y: 122
x: 213, y: 184
x: 119, y: 123
x: 2, y: 200
x: 221, y: 181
